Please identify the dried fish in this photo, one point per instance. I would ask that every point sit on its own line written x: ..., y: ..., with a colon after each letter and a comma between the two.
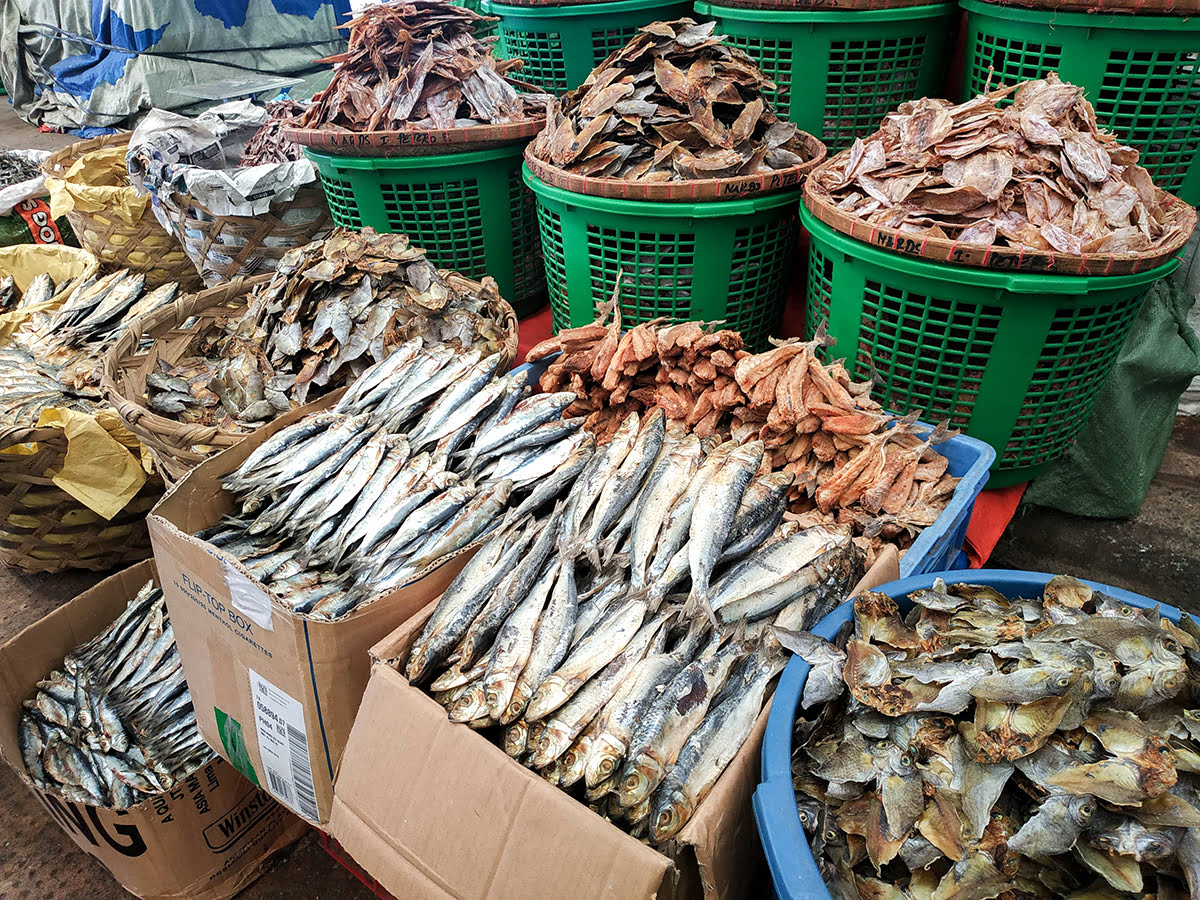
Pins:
x: 15, y: 168
x: 268, y: 145
x: 418, y: 64
x: 1039, y: 174
x: 675, y: 103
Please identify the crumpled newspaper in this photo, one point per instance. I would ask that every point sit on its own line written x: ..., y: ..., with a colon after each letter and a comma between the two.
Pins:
x: 169, y: 153
x: 26, y: 190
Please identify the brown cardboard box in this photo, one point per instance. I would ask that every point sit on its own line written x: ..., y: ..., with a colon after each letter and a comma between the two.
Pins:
x: 434, y: 810
x: 275, y: 693
x: 206, y: 839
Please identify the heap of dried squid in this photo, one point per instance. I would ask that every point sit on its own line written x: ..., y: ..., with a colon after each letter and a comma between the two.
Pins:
x: 852, y: 462
x: 1039, y: 173
x: 417, y: 63
x: 333, y: 308
x: 983, y: 746
x: 54, y: 357
x: 675, y: 103
x: 268, y: 144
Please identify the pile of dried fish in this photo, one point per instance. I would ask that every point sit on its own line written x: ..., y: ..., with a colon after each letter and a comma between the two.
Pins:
x: 576, y: 631
x: 675, y: 103
x: 15, y: 168
x: 333, y: 308
x: 418, y: 64
x: 852, y: 462
x: 54, y: 358
x: 1038, y: 174
x: 1075, y: 772
x: 268, y: 144
x: 117, y: 725
x: 419, y: 458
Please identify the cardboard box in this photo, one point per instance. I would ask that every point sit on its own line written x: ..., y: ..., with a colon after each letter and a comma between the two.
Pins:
x: 275, y: 693
x: 206, y: 839
x: 435, y: 810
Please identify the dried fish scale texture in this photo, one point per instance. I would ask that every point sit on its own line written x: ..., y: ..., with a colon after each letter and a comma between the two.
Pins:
x: 984, y: 745
x: 1039, y: 175
x: 676, y: 103
x: 418, y: 64
x: 268, y: 144
x: 15, y: 169
x: 332, y: 309
x: 853, y: 464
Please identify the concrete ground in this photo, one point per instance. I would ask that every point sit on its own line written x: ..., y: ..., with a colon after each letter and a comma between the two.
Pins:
x: 1156, y: 553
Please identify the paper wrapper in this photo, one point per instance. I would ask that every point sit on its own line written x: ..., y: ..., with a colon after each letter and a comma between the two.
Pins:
x: 105, y: 465
x: 96, y: 181
x: 26, y: 190
x: 199, y: 157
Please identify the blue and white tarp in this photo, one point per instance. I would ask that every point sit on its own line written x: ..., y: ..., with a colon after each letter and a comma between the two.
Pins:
x: 97, y: 64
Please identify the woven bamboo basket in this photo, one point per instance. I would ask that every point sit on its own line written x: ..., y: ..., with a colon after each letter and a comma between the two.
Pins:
x: 168, y: 334
x: 45, y: 529
x: 224, y: 247
x: 141, y: 246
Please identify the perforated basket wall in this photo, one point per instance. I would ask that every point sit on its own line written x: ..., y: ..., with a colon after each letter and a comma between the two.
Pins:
x: 1013, y: 359
x: 726, y: 260
x: 562, y: 44
x: 1142, y: 73
x: 869, y: 61
x: 470, y: 211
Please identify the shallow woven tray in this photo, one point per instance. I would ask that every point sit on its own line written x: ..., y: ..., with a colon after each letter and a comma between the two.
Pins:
x: 1130, y: 7
x: 172, y: 330
x: 1015, y: 259
x: 45, y: 529
x: 224, y: 247
x: 414, y: 141
x: 143, y: 246
x: 699, y: 189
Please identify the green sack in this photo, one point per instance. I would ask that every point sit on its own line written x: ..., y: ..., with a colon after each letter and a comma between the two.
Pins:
x: 1108, y: 470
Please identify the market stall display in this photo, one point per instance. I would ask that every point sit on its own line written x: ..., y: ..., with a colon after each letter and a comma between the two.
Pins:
x: 1042, y: 722
x: 226, y: 360
x: 1138, y: 70
x: 1032, y: 185
x: 88, y: 183
x: 561, y: 42
x: 838, y: 67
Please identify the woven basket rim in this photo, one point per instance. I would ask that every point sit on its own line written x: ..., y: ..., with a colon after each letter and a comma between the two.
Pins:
x: 992, y: 256
x: 737, y: 188
x: 412, y: 141
x: 57, y: 163
x: 177, y: 438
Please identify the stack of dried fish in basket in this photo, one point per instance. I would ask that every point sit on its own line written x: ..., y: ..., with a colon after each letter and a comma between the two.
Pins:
x: 850, y: 462
x: 615, y: 636
x: 677, y: 103
x: 1037, y: 182
x: 416, y: 65
x: 219, y: 368
x: 982, y: 745
x: 414, y: 462
x: 269, y: 145
x: 116, y: 724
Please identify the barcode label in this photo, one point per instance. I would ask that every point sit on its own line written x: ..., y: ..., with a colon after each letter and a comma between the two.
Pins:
x: 283, y: 746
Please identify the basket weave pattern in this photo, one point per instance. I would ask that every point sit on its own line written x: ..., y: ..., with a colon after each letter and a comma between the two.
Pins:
x: 224, y: 247
x: 143, y: 246
x: 170, y: 332
x: 44, y: 529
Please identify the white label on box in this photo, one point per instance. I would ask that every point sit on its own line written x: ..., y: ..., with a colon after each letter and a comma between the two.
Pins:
x: 283, y: 746
x: 248, y: 598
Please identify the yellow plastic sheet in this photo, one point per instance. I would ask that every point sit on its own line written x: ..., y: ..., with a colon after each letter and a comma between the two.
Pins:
x: 96, y: 182
x: 24, y: 261
x: 104, y: 468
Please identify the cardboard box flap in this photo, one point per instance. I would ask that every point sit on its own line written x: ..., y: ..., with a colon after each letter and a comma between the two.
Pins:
x: 414, y: 834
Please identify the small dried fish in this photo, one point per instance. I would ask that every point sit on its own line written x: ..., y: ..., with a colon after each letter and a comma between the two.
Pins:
x: 268, y: 145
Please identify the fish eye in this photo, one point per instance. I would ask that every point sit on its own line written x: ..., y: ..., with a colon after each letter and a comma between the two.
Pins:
x: 803, y: 817
x: 830, y: 835
x: 1064, y: 680
x: 1164, y: 749
x: 1087, y: 809
x: 906, y: 760
x: 1170, y: 645
x: 881, y: 745
x: 1101, y: 654
x: 997, y: 815
x: 1127, y: 611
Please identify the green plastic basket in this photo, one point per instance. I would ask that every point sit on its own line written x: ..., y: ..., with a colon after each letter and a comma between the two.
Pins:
x: 1141, y: 72
x: 728, y: 260
x: 483, y: 29
x: 1013, y: 359
x: 562, y: 44
x: 868, y: 62
x: 469, y: 211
